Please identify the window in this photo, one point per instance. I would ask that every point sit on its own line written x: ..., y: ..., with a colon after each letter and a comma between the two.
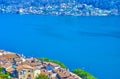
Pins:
x: 21, y: 73
x: 24, y: 72
x: 29, y: 77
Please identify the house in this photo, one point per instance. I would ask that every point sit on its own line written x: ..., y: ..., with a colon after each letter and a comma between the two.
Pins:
x: 1, y: 52
x: 32, y: 62
x: 6, y: 65
x: 10, y: 57
x: 36, y: 73
x: 51, y: 75
x: 14, y: 73
x: 63, y: 73
x: 25, y: 72
x: 56, y: 66
x: 51, y: 66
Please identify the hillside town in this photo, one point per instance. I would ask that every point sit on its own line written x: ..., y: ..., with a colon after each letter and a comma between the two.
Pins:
x: 22, y: 67
x: 65, y: 7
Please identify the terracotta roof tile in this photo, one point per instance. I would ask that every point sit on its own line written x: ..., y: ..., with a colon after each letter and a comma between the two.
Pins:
x: 10, y: 69
x: 6, y: 65
x: 1, y: 51
x: 11, y: 56
x: 20, y: 67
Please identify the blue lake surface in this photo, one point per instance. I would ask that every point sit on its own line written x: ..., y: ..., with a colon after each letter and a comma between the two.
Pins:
x: 90, y: 43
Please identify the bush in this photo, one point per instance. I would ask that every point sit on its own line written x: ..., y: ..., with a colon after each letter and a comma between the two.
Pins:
x: 83, y: 74
x: 4, y: 76
x: 42, y: 77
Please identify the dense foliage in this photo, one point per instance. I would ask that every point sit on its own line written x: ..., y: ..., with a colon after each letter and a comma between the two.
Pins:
x: 54, y: 61
x: 83, y: 74
x: 4, y: 76
x: 42, y: 77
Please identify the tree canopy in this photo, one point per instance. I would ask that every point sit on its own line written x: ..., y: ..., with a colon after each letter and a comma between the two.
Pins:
x: 4, y: 76
x: 83, y: 74
x: 42, y: 77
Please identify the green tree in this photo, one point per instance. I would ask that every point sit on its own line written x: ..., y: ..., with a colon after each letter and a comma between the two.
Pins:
x: 83, y: 74
x: 4, y: 76
x: 42, y: 77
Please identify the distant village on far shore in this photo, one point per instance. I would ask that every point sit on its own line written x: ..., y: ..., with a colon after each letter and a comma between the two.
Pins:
x: 21, y: 67
x: 62, y: 7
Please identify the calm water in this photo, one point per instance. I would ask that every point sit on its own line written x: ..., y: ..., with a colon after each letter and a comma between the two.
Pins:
x: 91, y: 43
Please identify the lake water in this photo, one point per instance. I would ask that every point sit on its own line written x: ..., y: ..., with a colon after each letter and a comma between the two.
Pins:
x: 90, y: 43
